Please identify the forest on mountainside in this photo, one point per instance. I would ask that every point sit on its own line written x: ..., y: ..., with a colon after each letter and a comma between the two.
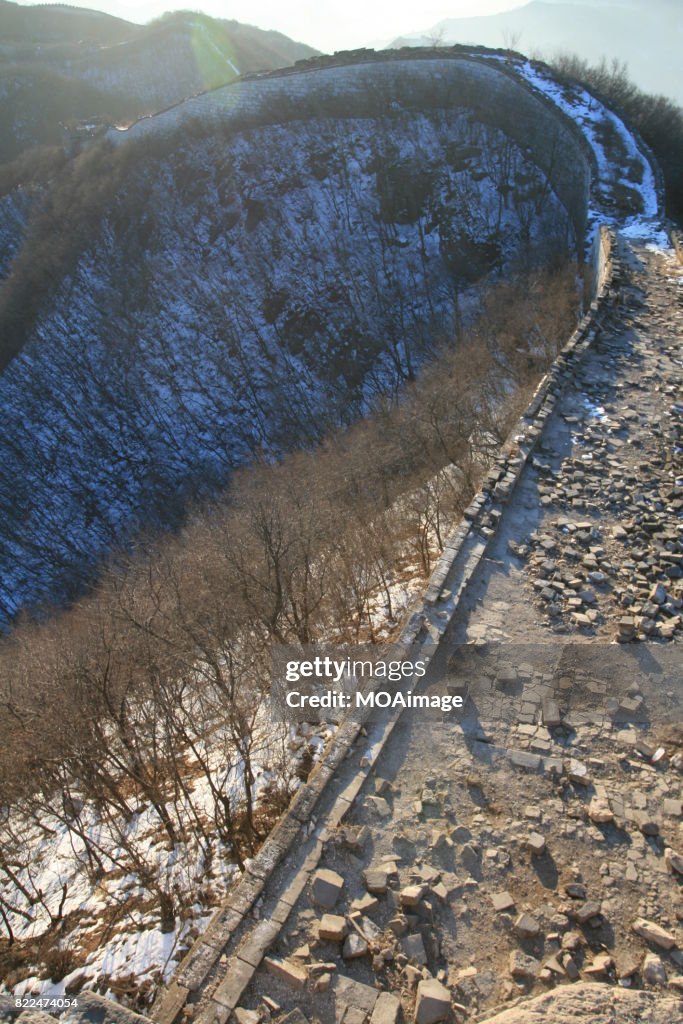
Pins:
x: 185, y: 305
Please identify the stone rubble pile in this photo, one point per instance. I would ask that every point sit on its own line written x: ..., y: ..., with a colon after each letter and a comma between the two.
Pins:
x: 613, y: 558
x: 441, y: 916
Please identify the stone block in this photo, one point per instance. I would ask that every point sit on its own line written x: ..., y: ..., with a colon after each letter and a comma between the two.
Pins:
x: 527, y: 927
x: 379, y: 806
x: 587, y: 911
x: 652, y: 932
x: 326, y: 887
x: 365, y: 904
x: 578, y: 773
x: 290, y: 973
x: 674, y: 861
x: 260, y: 939
x: 376, y: 880
x: 433, y: 1002
x: 551, y: 712
x: 535, y: 844
x: 522, y: 965
x: 237, y: 977
x: 599, y: 811
x: 166, y: 1010
x: 244, y: 1016
x: 653, y: 971
x: 195, y: 968
x: 350, y: 993
x: 387, y: 1009
x: 354, y: 947
x: 414, y: 949
x: 411, y: 895
x: 502, y: 901
x: 522, y: 759
x: 332, y: 927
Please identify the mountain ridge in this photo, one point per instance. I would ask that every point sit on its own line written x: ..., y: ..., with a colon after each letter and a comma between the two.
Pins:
x: 60, y: 66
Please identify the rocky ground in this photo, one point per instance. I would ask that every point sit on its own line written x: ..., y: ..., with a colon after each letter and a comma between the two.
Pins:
x: 495, y: 856
x: 595, y: 530
x: 522, y: 859
x: 525, y: 856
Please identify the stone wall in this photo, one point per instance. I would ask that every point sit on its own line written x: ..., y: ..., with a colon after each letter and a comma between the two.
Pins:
x: 490, y: 89
x: 426, y: 622
x: 602, y: 258
x: 498, y: 97
x: 500, y: 482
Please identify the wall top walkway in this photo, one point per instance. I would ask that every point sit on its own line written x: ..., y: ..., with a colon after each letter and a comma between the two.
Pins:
x: 539, y: 124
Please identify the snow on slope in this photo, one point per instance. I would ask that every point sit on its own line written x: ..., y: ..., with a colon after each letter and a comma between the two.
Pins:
x: 113, y: 934
x: 622, y: 164
x: 236, y: 302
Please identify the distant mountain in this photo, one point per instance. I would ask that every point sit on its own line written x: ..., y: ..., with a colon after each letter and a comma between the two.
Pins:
x: 646, y: 34
x: 62, y: 64
x: 58, y: 23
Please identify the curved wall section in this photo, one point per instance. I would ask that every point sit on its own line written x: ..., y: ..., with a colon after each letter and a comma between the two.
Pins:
x: 289, y: 857
x: 487, y: 87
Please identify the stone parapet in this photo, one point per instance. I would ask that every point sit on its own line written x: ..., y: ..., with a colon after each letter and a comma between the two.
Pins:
x: 423, y: 626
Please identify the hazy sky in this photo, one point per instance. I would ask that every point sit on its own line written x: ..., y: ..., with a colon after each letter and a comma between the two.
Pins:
x: 321, y: 23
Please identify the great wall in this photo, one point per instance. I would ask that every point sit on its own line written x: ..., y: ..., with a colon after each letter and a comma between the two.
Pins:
x: 347, y: 90
x: 481, y: 857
